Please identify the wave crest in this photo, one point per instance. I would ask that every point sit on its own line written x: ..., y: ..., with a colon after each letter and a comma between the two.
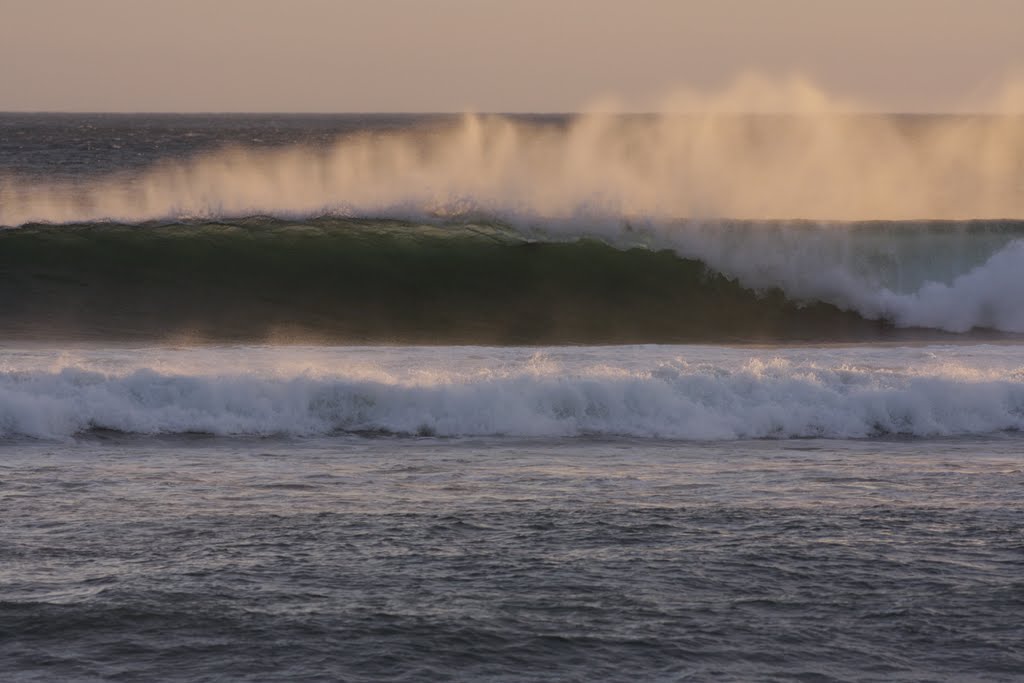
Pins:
x: 766, y: 397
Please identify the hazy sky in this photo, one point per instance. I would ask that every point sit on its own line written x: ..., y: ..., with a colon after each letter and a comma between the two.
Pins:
x: 489, y: 55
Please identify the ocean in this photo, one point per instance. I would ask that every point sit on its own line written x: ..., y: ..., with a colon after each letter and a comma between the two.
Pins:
x: 511, y: 398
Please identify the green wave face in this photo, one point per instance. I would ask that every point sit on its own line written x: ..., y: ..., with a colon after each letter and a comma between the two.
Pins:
x: 386, y: 281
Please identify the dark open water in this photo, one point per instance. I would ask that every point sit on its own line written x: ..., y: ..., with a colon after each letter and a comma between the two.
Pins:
x: 196, y: 558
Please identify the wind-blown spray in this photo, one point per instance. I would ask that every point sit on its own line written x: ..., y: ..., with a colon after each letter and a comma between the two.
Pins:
x: 758, y: 150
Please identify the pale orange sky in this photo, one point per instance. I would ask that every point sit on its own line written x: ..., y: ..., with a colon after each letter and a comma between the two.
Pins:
x: 490, y: 55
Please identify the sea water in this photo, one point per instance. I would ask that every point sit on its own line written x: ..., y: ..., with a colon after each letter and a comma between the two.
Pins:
x: 512, y: 514
x: 266, y: 416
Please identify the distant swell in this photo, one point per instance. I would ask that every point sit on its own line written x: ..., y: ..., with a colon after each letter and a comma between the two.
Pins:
x: 480, y: 281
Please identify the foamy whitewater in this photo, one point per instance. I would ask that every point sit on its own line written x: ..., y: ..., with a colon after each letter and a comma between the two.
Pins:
x: 694, y: 396
x: 673, y: 393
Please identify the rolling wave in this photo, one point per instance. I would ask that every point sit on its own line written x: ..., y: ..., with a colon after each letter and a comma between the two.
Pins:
x: 593, y: 228
x: 481, y: 281
x: 651, y: 392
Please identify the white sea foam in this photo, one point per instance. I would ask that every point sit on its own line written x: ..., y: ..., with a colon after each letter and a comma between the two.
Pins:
x: 952, y: 280
x: 691, y: 393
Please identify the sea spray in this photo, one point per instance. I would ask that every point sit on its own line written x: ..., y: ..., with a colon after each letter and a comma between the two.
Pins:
x: 757, y: 150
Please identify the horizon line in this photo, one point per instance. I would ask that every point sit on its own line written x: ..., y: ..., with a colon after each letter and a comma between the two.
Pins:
x: 239, y: 112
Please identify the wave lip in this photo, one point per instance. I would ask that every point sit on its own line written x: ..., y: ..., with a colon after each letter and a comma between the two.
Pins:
x: 674, y: 400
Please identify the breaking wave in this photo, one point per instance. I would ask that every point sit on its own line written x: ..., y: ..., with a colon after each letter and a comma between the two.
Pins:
x: 596, y: 228
x: 479, y: 281
x: 613, y: 391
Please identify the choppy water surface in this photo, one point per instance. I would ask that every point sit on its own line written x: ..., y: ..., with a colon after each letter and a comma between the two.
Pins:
x: 352, y: 558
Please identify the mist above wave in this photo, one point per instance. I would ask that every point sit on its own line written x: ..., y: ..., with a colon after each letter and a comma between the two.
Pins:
x: 758, y: 150
x: 760, y: 153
